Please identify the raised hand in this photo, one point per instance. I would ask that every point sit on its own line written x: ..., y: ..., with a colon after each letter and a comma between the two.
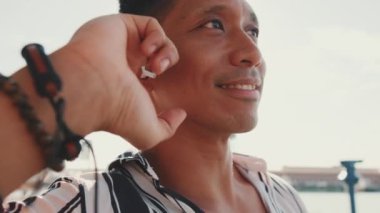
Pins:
x: 112, y: 50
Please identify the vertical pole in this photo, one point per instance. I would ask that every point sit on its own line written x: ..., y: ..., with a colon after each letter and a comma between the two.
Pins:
x: 352, y: 197
x: 351, y: 179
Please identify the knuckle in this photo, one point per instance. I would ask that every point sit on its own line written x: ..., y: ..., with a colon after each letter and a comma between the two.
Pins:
x: 153, y: 20
x: 160, y: 35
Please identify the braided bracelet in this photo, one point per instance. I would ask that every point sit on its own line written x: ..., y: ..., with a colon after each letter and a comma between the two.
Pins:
x: 64, y: 144
x: 48, y: 85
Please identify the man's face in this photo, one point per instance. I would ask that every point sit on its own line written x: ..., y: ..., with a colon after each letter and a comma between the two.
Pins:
x: 218, y: 79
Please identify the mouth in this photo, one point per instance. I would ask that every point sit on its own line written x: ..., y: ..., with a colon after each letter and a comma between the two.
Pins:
x: 247, y: 87
x: 245, y: 91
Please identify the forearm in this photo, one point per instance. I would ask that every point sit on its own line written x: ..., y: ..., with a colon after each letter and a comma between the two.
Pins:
x: 21, y: 155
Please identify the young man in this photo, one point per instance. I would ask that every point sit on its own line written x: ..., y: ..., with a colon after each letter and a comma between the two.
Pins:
x: 217, y: 84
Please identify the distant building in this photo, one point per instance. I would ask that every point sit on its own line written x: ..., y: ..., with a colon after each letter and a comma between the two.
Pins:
x: 326, y: 178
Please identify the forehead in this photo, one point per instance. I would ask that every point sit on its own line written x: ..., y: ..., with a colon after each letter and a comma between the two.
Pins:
x: 184, y: 9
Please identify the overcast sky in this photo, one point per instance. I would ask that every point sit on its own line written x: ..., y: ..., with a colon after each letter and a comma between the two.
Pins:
x: 322, y: 91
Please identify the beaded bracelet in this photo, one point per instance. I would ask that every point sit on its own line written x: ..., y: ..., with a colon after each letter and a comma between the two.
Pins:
x: 34, y: 125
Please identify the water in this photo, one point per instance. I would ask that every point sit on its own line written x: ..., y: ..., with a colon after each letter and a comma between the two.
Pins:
x: 339, y: 202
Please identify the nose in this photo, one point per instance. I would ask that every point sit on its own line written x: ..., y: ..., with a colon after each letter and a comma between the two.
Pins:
x: 245, y: 52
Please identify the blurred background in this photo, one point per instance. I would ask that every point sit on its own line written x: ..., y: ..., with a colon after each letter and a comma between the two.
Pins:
x: 321, y: 98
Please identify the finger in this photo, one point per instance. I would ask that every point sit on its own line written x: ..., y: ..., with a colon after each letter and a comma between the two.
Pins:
x: 170, y: 121
x: 160, y: 50
x: 165, y: 57
x: 154, y: 39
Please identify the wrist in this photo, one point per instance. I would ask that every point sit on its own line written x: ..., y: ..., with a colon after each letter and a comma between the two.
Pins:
x: 82, y: 93
x: 88, y: 97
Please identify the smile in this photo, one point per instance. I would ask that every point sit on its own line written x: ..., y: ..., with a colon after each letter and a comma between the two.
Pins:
x: 248, y: 87
x: 242, y: 91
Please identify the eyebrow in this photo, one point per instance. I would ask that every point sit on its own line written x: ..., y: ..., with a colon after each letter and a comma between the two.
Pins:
x: 218, y: 8
x: 253, y: 17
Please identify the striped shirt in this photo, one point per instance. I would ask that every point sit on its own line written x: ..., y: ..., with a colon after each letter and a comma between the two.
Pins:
x: 131, y: 185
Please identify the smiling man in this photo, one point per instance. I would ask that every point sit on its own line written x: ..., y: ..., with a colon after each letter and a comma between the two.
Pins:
x: 217, y: 82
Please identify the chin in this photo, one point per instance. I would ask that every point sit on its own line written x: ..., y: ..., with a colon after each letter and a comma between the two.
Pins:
x: 246, y: 125
x: 246, y: 129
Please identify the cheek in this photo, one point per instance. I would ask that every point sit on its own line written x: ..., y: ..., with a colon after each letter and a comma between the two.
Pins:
x: 192, y: 69
x: 199, y: 52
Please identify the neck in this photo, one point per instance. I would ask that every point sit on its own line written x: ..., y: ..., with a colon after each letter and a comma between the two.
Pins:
x: 195, y: 157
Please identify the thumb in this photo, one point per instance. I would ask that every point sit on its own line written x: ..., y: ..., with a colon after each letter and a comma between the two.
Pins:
x: 168, y: 123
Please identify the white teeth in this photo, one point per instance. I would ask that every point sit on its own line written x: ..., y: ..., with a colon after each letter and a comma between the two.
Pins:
x: 239, y: 86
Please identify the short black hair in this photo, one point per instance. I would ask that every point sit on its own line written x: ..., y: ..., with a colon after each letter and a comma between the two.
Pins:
x: 155, y: 8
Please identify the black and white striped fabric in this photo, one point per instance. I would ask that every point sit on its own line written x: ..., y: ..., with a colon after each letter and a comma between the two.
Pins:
x: 131, y: 185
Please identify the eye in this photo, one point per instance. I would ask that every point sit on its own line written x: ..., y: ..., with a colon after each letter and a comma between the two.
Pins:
x: 254, y: 33
x: 214, y: 24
